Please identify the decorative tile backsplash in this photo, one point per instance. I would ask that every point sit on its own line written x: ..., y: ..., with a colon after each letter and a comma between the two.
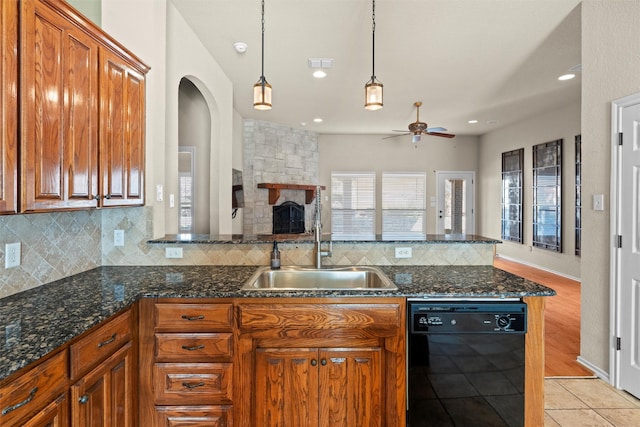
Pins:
x: 56, y: 245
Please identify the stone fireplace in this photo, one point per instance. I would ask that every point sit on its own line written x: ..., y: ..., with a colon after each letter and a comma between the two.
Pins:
x: 276, y: 154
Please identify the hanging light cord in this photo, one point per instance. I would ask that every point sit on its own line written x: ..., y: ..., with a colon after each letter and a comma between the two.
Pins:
x: 373, y: 38
x: 262, y: 75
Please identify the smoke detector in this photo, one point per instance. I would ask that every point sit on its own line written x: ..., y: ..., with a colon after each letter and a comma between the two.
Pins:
x: 240, y: 47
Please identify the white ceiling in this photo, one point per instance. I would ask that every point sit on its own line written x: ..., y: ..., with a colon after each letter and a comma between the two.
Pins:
x: 464, y: 59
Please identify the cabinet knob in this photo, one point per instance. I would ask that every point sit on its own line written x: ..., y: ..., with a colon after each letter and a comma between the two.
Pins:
x: 314, y: 362
x: 96, y: 197
x: 107, y: 196
x: 323, y: 362
x: 84, y: 399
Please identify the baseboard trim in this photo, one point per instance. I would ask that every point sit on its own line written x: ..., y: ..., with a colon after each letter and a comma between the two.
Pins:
x: 599, y: 372
x: 530, y: 264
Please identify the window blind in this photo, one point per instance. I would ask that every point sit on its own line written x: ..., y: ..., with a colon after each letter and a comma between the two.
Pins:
x: 404, y: 205
x: 353, y: 205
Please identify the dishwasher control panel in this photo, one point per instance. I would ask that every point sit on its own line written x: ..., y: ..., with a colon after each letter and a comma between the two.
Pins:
x: 467, y: 317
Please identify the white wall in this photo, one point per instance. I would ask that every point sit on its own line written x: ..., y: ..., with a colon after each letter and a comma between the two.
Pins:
x: 611, y: 64
x: 155, y: 31
x: 372, y: 153
x: 562, y: 123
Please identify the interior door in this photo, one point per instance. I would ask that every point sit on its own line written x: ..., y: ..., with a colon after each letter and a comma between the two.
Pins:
x: 629, y: 253
x: 455, y: 204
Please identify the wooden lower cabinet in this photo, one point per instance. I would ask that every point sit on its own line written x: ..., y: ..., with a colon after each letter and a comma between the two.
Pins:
x: 55, y: 414
x: 315, y: 362
x: 308, y: 387
x: 104, y: 396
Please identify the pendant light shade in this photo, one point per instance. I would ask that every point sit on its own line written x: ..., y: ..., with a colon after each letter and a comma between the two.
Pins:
x: 373, y: 88
x: 262, y: 89
x: 262, y: 95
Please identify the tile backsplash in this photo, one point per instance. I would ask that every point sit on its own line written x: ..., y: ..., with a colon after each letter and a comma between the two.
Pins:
x: 56, y: 245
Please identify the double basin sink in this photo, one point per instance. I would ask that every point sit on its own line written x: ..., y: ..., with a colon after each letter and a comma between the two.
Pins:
x: 301, y: 278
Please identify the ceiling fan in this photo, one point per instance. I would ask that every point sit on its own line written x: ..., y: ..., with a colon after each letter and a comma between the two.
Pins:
x: 419, y: 128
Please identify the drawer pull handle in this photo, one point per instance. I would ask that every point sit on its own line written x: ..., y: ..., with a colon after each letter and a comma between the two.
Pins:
x: 109, y: 341
x: 201, y: 317
x: 193, y: 385
x: 193, y: 347
x: 29, y: 398
x: 84, y: 399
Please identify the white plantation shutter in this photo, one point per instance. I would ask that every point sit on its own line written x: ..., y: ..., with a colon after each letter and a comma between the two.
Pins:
x: 404, y: 205
x: 353, y: 205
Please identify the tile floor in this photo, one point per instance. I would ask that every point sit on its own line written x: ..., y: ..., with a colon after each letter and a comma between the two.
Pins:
x: 583, y: 402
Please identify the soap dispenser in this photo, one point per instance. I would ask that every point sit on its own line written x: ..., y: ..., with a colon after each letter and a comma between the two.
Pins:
x: 275, y: 257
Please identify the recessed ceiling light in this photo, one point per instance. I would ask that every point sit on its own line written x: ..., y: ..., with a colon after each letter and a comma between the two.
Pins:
x: 566, y: 76
x: 472, y: 122
x: 303, y: 124
x: 319, y: 74
x: 317, y: 120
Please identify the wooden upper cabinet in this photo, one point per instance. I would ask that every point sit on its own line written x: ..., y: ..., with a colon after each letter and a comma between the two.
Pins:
x: 59, y: 87
x: 8, y: 107
x: 82, y: 113
x: 122, y: 116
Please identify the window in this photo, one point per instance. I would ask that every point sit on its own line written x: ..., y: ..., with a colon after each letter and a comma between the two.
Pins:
x: 547, y: 195
x: 512, y: 166
x: 578, y: 194
x: 353, y: 205
x: 403, y: 205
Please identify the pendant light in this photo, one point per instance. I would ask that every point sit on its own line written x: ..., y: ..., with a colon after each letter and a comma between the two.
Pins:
x: 262, y: 89
x: 373, y: 88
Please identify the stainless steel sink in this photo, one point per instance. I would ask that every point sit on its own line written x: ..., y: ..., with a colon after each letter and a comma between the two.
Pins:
x: 297, y: 278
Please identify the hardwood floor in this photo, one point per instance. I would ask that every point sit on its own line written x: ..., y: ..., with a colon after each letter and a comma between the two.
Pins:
x: 562, y: 319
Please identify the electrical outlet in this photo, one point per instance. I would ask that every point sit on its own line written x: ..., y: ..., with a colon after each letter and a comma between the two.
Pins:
x: 118, y: 237
x: 159, y: 193
x: 403, y: 253
x: 12, y: 255
x: 173, y: 253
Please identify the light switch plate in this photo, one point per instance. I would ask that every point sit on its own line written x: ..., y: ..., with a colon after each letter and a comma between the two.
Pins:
x: 598, y: 202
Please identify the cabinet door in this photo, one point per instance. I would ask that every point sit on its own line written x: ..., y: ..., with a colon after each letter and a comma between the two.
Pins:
x: 122, y: 92
x: 286, y: 387
x: 56, y: 414
x: 59, y: 116
x: 8, y: 106
x: 351, y: 393
x: 104, y: 397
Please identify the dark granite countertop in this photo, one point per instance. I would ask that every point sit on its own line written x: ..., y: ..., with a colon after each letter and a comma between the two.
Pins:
x: 37, y: 321
x: 308, y: 238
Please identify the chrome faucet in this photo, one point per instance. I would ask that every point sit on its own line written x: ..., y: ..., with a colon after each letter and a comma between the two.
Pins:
x: 317, y: 230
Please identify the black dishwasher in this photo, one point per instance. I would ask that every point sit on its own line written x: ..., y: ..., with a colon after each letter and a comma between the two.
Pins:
x: 466, y: 363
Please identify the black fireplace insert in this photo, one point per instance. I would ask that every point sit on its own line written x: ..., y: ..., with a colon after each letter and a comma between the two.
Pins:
x: 288, y: 218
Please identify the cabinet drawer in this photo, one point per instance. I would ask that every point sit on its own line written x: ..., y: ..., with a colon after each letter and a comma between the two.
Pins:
x: 194, y: 347
x: 195, y: 416
x: 194, y: 317
x: 374, y: 317
x: 34, y: 389
x: 95, y: 347
x: 192, y: 383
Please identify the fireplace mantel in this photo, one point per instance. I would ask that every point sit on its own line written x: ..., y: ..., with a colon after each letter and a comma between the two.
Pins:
x: 274, y: 191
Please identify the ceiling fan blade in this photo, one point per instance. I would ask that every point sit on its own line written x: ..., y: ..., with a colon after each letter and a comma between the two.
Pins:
x: 396, y: 130
x: 436, y: 129
x: 444, y: 135
x: 394, y: 136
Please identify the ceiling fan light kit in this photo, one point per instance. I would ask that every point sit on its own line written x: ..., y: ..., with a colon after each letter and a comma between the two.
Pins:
x: 262, y: 89
x: 373, y: 88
